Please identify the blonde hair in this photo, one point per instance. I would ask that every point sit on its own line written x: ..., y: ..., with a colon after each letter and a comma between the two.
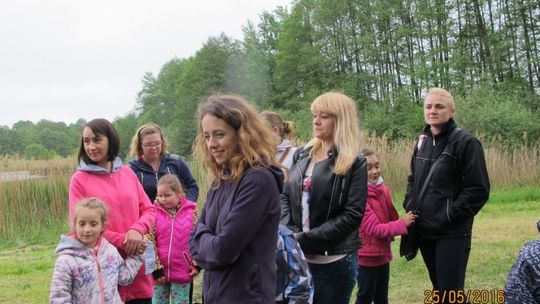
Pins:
x: 274, y: 120
x: 136, y: 148
x: 346, y: 129
x: 173, y: 182
x: 444, y: 93
x: 255, y: 140
x: 92, y: 203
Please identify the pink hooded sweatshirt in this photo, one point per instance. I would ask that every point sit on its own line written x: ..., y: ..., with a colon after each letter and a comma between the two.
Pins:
x: 379, y: 226
x: 129, y: 208
x: 172, y: 239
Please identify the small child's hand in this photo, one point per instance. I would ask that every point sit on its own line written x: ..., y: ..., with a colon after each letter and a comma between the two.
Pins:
x: 193, y: 271
x: 160, y: 281
x: 409, y: 218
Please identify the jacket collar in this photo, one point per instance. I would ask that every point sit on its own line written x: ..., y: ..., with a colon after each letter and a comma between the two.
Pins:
x: 445, y: 130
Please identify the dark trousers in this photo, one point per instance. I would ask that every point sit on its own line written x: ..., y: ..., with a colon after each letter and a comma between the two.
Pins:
x: 446, y: 261
x: 373, y: 284
x: 334, y: 282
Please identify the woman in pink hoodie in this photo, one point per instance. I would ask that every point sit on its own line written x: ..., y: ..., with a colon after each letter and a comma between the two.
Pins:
x: 131, y: 215
x: 379, y: 226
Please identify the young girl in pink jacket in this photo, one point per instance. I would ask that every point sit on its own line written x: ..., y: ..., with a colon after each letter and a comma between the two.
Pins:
x: 379, y: 226
x: 175, y: 216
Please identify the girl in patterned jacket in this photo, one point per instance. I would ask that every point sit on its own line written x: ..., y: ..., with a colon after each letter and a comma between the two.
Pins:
x: 175, y: 216
x: 88, y: 268
x: 379, y: 226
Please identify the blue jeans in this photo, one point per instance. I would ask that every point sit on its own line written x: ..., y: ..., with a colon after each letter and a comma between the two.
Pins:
x: 334, y: 282
x: 373, y: 284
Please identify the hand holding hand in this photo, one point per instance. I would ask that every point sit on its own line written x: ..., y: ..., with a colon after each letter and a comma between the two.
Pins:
x: 134, y: 243
x: 409, y: 218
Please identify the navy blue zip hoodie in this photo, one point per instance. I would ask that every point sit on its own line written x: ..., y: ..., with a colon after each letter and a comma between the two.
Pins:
x: 235, y: 238
x: 169, y: 164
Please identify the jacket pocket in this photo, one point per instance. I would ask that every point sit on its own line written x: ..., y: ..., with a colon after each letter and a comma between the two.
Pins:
x: 448, y: 206
x: 253, y: 282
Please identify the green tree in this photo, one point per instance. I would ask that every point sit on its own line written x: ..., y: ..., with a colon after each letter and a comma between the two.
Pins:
x: 126, y: 126
x: 37, y: 151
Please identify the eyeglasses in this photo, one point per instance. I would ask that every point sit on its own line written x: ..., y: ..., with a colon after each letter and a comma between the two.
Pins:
x: 156, y: 144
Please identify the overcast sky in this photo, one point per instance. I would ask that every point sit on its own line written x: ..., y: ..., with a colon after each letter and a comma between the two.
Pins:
x: 65, y: 59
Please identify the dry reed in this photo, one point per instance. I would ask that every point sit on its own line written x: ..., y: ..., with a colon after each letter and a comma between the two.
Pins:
x: 29, y: 207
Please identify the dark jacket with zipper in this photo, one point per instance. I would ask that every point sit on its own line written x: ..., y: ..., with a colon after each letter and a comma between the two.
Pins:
x: 336, y: 204
x: 235, y: 238
x: 459, y: 186
x: 169, y: 164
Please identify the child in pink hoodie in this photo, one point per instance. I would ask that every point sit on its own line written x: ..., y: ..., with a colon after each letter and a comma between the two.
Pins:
x: 379, y: 226
x: 175, y: 217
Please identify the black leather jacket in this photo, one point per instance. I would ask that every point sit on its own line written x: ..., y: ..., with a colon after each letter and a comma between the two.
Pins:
x: 459, y: 186
x: 336, y: 204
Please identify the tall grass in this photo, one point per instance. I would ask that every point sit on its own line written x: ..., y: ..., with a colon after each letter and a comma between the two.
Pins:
x: 500, y: 230
x: 507, y: 167
x: 35, y: 210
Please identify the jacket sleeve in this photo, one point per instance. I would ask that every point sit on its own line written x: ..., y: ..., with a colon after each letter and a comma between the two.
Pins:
x: 188, y: 181
x: 286, y: 217
x: 409, y: 192
x: 300, y: 288
x: 62, y: 280
x: 373, y: 227
x: 475, y: 189
x: 147, y: 213
x: 76, y: 193
x: 128, y: 268
x: 285, y: 197
x: 202, y: 221
x: 246, y: 215
x: 338, y: 228
x: 524, y: 277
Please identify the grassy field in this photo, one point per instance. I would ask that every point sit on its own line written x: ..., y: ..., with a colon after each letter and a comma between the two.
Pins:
x: 33, y: 214
x: 501, y: 228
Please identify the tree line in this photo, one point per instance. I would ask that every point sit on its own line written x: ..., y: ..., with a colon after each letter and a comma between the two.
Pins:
x: 384, y: 54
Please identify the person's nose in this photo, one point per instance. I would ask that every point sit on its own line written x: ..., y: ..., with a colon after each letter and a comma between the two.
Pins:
x: 211, y: 142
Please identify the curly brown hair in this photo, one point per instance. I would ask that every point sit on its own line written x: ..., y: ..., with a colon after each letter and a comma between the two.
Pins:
x: 255, y: 139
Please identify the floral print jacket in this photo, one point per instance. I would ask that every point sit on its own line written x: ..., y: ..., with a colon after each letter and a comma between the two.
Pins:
x: 90, y: 275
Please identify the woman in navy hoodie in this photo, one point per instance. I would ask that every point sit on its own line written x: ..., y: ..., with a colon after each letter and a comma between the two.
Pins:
x: 235, y: 238
x: 152, y: 161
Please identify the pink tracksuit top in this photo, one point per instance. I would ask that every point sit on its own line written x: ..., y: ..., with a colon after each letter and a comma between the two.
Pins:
x: 379, y: 226
x: 172, y: 240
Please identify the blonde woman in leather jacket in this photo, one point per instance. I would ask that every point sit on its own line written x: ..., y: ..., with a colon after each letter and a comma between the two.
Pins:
x: 324, y: 198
